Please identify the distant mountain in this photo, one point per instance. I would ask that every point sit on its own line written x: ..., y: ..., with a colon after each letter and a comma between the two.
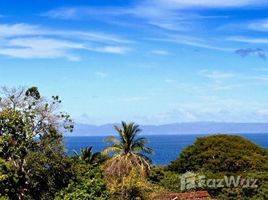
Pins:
x: 176, y: 128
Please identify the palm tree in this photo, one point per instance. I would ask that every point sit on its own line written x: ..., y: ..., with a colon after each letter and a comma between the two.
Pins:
x: 128, y: 152
x: 89, y: 156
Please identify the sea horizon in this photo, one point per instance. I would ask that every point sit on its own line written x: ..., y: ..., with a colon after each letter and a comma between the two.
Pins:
x: 168, y: 134
x: 166, y: 147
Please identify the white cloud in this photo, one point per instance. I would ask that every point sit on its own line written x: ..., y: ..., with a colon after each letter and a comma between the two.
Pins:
x: 82, y: 12
x: 219, y: 80
x: 20, y: 29
x: 33, y: 41
x: 113, y: 49
x: 37, y: 47
x: 250, y: 40
x: 151, y: 15
x: 212, y: 108
x: 260, y: 25
x: 208, y: 3
x: 63, y: 13
x: 192, y: 41
x: 199, y: 114
x: 171, y: 15
x: 169, y: 25
x: 242, y: 79
x: 160, y: 14
x: 23, y: 29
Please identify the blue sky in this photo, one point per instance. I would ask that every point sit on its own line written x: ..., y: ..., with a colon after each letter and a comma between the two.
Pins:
x: 150, y: 61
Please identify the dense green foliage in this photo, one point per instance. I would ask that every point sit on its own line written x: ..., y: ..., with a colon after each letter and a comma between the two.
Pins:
x: 7, y: 178
x: 166, y: 179
x: 51, y: 171
x: 221, y: 153
x: 33, y: 162
x: 217, y: 156
x: 89, y: 185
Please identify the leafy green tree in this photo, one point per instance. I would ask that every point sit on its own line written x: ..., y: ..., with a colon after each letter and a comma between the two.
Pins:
x: 26, y: 119
x: 221, y: 153
x: 50, y: 169
x: 16, y: 146
x: 128, y: 151
x: 217, y: 156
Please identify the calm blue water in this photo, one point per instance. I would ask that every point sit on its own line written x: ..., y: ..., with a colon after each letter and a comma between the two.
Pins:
x: 166, y: 147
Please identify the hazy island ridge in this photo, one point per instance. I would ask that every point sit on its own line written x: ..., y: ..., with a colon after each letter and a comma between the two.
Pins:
x: 175, y: 128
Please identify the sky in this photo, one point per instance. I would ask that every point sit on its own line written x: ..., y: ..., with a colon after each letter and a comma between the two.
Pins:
x: 148, y: 61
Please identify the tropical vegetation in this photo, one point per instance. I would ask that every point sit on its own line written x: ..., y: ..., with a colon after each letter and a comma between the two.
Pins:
x: 34, y: 164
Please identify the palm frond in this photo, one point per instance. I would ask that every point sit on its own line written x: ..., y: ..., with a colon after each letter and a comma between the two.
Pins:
x: 111, y: 140
x: 112, y: 150
x: 128, y: 151
x: 76, y: 153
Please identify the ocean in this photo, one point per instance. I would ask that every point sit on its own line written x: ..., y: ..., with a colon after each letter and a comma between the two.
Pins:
x: 166, y: 147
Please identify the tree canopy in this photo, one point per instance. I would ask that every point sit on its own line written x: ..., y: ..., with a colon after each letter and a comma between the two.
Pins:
x: 33, y: 161
x: 221, y: 153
